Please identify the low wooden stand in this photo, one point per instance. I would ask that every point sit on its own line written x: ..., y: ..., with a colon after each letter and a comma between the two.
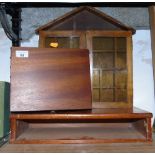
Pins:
x: 87, y: 126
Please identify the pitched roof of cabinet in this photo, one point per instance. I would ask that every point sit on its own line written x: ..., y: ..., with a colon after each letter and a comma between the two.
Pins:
x: 92, y: 13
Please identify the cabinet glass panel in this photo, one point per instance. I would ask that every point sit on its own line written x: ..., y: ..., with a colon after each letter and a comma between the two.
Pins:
x: 63, y: 42
x: 120, y: 60
x: 121, y: 76
x: 109, y: 69
x: 121, y: 79
x: 107, y: 79
x: 96, y: 78
x: 121, y: 44
x: 106, y: 95
x: 96, y: 95
x: 103, y: 44
x: 121, y: 53
x: 121, y: 95
x: 103, y: 60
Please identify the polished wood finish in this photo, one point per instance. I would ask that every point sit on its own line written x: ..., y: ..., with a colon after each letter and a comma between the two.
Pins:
x: 50, y: 79
x: 95, y: 113
x: 81, y: 126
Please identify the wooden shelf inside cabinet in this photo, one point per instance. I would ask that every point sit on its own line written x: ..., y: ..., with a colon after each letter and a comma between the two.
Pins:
x: 86, y: 126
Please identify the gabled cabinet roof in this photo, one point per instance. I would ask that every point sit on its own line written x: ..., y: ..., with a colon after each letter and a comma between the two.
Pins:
x: 85, y: 18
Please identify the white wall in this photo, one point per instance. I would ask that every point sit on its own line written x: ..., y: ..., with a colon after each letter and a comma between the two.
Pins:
x: 33, y: 42
x: 143, y: 82
x: 142, y: 67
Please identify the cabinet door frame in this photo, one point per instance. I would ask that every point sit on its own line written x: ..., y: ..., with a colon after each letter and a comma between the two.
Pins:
x: 128, y: 35
x: 44, y: 34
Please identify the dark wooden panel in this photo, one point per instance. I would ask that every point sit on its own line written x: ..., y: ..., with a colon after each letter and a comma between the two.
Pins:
x: 50, y: 79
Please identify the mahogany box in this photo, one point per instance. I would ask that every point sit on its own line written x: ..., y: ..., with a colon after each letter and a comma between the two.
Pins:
x: 44, y: 79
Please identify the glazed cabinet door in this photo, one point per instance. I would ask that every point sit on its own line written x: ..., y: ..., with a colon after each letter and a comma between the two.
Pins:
x: 62, y: 39
x: 111, y: 69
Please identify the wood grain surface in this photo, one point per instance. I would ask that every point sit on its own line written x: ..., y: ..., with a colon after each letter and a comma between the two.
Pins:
x: 50, y: 79
x: 94, y: 126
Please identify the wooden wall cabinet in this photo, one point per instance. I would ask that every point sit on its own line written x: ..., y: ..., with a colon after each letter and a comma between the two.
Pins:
x: 110, y: 45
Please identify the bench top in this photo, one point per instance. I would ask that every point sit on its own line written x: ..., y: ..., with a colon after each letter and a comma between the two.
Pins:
x: 101, y: 113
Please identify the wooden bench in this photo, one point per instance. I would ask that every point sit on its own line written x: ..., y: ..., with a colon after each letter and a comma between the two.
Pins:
x: 86, y: 126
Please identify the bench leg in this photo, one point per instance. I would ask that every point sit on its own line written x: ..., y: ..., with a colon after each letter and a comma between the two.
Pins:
x: 149, y: 129
x: 13, y: 130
